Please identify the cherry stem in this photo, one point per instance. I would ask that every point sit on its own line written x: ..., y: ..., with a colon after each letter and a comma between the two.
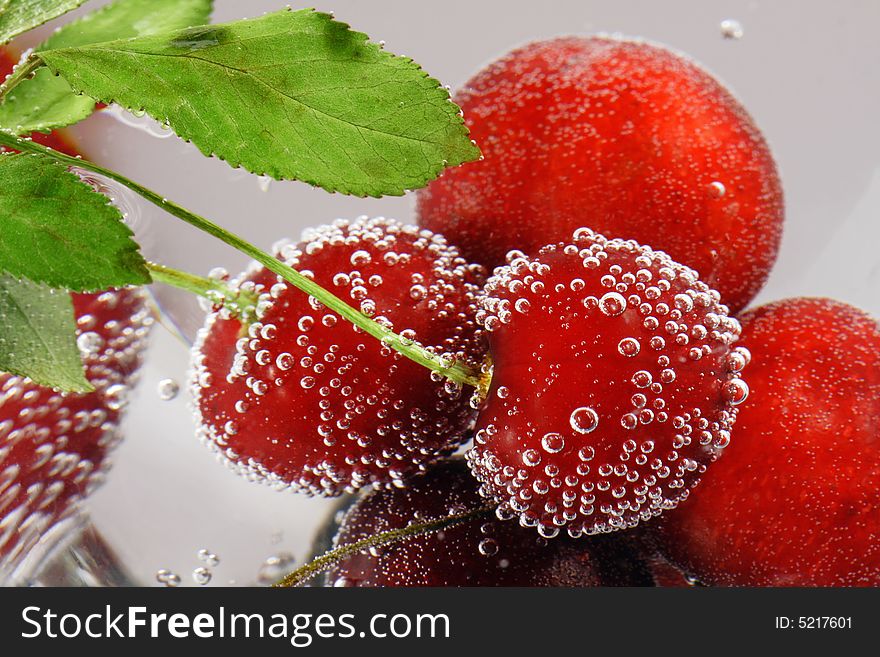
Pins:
x: 461, y: 373
x: 242, y: 304
x: 22, y: 70
x: 329, y: 559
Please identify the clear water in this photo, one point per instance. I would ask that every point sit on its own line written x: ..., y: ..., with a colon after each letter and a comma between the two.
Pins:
x: 805, y: 71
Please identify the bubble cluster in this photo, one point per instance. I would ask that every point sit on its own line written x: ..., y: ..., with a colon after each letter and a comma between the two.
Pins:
x: 301, y: 400
x: 209, y: 558
x: 53, y: 445
x: 622, y: 384
x: 168, y: 578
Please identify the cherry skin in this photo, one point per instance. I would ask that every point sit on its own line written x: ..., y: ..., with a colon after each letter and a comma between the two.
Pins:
x: 615, y: 385
x: 54, y: 446
x: 302, y: 400
x: 624, y: 137
x: 479, y: 552
x: 795, y: 500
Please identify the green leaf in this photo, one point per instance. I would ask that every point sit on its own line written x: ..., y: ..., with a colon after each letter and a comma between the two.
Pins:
x: 46, y: 102
x: 19, y: 16
x: 55, y: 229
x: 38, y: 335
x: 292, y: 95
x: 124, y: 19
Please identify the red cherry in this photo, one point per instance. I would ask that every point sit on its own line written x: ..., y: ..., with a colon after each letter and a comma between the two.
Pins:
x: 615, y: 385
x: 60, y: 140
x: 479, y: 552
x: 303, y: 400
x: 624, y: 137
x: 795, y: 501
x: 53, y: 446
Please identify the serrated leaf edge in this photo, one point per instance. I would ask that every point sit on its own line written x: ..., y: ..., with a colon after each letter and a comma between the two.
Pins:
x: 131, y: 248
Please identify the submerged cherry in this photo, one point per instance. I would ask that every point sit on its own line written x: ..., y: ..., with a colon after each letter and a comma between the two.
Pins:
x: 53, y: 446
x: 482, y: 551
x: 795, y: 500
x: 301, y: 399
x: 615, y: 385
x: 625, y: 137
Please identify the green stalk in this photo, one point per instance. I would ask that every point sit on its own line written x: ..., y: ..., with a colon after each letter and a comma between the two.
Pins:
x: 320, y: 564
x: 461, y: 373
x: 22, y: 71
x: 240, y: 303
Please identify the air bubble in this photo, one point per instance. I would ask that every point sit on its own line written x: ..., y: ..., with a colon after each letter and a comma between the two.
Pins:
x: 117, y: 396
x: 684, y: 303
x: 167, y: 389
x: 717, y: 189
x: 522, y: 306
x: 202, y: 575
x: 736, y: 391
x: 90, y: 343
x: 629, y: 347
x: 667, y: 375
x: 612, y: 304
x: 584, y: 419
x: 722, y: 440
x: 586, y: 453
x: 360, y: 257
x: 731, y: 29
x: 553, y: 442
x: 275, y: 567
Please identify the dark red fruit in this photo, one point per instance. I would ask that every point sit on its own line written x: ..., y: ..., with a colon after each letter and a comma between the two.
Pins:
x: 53, y: 446
x: 624, y: 137
x: 303, y: 400
x: 666, y: 575
x: 615, y: 385
x: 60, y: 140
x: 795, y: 501
x: 480, y: 552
